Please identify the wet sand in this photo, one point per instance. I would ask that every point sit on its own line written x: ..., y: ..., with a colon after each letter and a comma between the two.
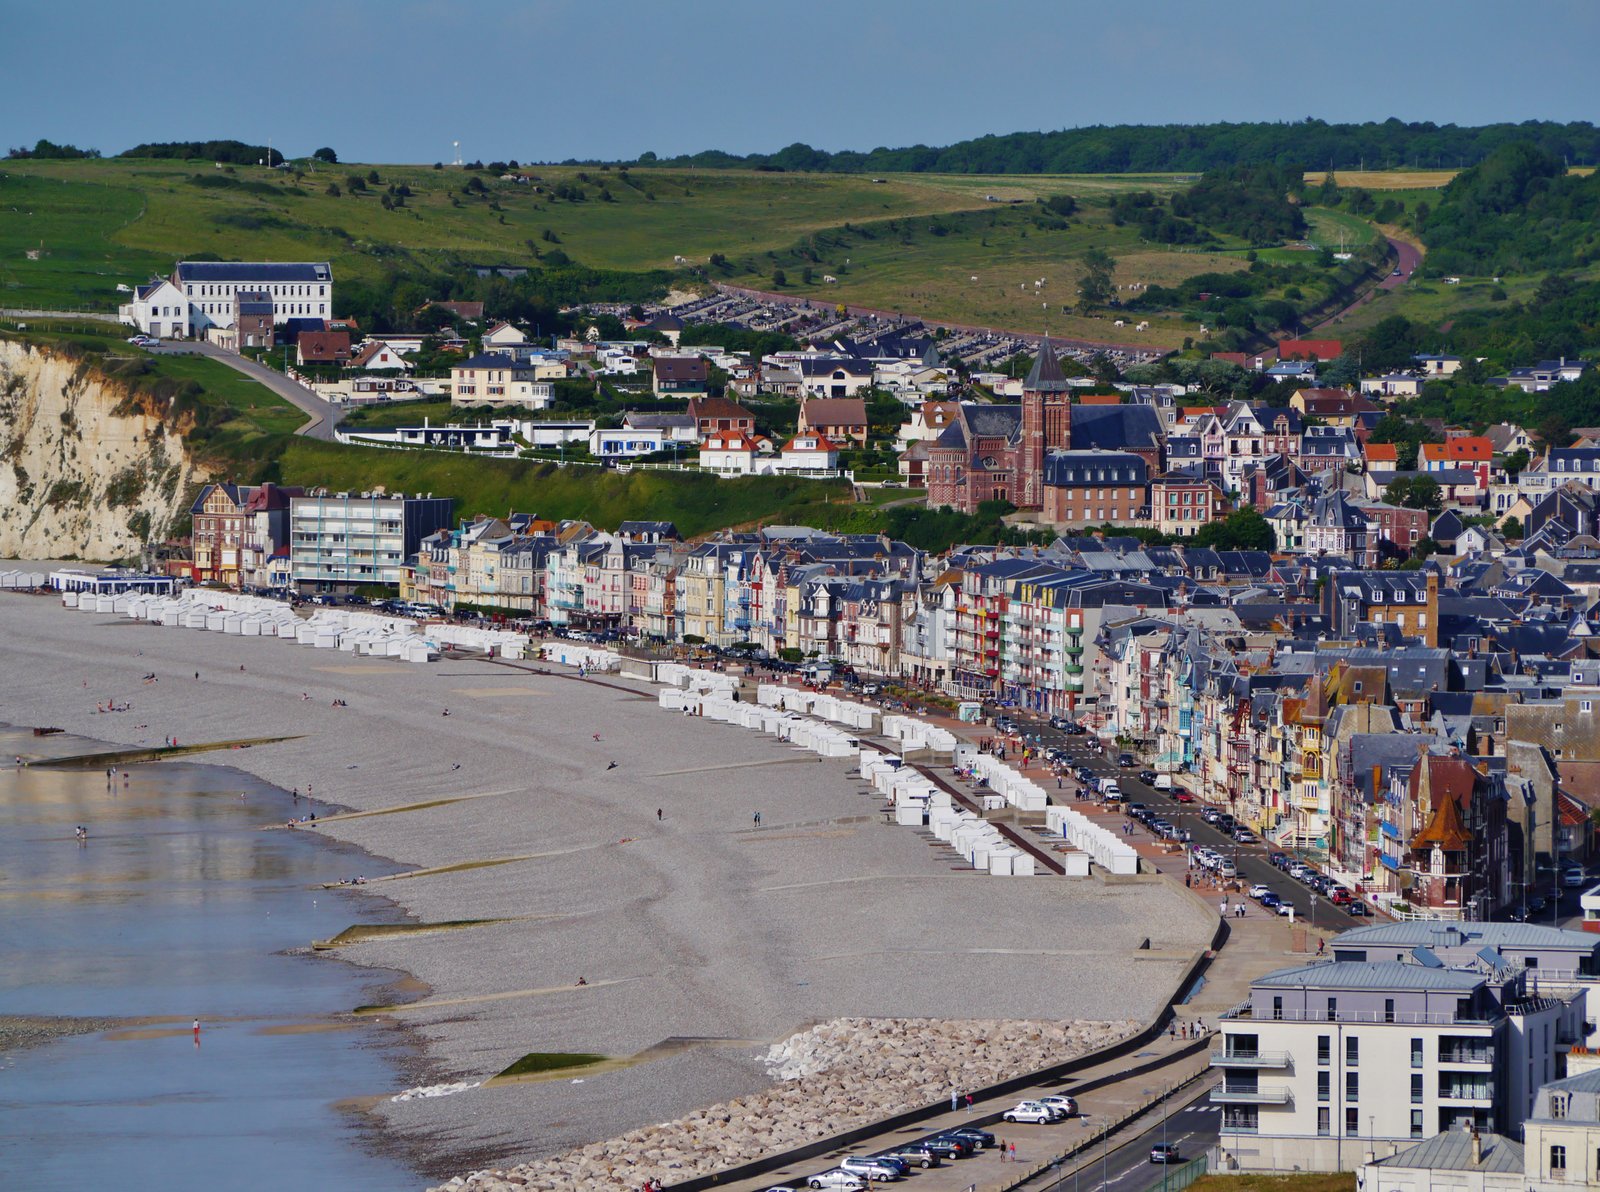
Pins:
x: 692, y: 925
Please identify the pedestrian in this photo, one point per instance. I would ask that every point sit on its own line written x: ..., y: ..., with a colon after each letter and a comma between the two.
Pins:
x: 969, y: 1102
x: 758, y: 819
x: 1224, y: 908
x: 196, y: 674
x: 1172, y: 1031
x: 1013, y: 1152
x: 953, y: 1104
x: 1002, y: 1150
x: 1188, y: 881
x: 659, y: 814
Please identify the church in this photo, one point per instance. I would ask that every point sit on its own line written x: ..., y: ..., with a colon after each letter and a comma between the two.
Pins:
x: 999, y: 452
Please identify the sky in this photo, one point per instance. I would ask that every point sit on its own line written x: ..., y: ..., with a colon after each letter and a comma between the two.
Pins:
x: 547, y: 80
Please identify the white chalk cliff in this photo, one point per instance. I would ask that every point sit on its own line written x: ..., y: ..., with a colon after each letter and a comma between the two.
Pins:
x: 89, y: 466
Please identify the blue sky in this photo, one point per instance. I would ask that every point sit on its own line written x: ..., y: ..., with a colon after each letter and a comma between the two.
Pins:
x: 399, y: 80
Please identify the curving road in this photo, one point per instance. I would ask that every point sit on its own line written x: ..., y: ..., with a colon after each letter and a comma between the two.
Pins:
x: 1407, y: 258
x: 324, y: 415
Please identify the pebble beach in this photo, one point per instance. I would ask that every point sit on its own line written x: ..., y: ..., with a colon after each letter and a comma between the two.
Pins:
x: 700, y: 941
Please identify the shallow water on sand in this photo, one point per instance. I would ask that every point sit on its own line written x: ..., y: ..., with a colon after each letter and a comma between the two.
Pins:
x: 178, y: 907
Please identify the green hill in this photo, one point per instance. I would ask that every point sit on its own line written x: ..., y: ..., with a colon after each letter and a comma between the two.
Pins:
x: 399, y: 235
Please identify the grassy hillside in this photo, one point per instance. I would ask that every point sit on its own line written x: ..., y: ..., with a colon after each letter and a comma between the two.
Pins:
x: 78, y: 228
x: 697, y: 503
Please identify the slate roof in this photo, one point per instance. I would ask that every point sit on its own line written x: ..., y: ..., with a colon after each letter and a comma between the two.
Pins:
x: 1074, y: 469
x: 1116, y: 428
x: 1452, y: 1151
x: 1046, y: 376
x: 487, y: 360
x: 253, y: 271
x: 1373, y: 975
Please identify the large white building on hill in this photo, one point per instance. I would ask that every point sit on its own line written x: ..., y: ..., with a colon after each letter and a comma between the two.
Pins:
x: 203, y: 294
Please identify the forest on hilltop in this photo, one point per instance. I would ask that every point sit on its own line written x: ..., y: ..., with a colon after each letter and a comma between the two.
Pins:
x: 1184, y: 148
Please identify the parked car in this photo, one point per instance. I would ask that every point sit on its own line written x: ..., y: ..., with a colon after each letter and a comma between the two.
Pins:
x: 1148, y: 777
x: 1359, y: 910
x: 1067, y: 1106
x: 979, y: 1138
x: 1339, y: 896
x: 1244, y: 835
x: 915, y: 1154
x: 1227, y: 868
x: 1125, y: 761
x: 1028, y: 1111
x: 1211, y: 815
x: 1260, y: 888
x: 872, y: 1167
x: 839, y: 1178
x: 1165, y: 1152
x: 1270, y: 901
x: 1285, y: 908
x: 1277, y: 859
x: 1179, y: 796
x: 1573, y: 876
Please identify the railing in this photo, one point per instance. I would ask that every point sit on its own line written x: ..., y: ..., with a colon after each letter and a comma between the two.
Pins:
x: 1379, y: 1017
x: 1250, y: 1059
x: 1267, y: 1095
x: 1465, y: 1055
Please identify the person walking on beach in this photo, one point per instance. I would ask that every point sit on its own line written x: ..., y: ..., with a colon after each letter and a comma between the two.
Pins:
x: 659, y: 814
x: 758, y: 819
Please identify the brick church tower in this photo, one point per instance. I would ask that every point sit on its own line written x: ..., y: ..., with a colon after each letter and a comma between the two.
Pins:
x: 1046, y: 423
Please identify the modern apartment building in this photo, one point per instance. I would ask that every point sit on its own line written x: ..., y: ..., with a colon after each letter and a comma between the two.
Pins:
x: 1333, y: 1060
x: 339, y: 541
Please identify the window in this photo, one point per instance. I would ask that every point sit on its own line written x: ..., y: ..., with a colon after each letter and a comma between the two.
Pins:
x: 1416, y: 1053
x: 1324, y: 1044
x: 1324, y: 1089
x: 1558, y: 1161
x: 1558, y: 1105
x: 1416, y: 1123
x: 1352, y: 1050
x: 1388, y: 1011
x: 1323, y: 1128
x: 1352, y: 1086
x: 1333, y: 1009
x: 1416, y: 1088
x: 1352, y: 1123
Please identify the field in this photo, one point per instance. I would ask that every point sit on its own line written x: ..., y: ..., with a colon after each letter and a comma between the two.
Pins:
x: 77, y: 229
x: 1400, y: 179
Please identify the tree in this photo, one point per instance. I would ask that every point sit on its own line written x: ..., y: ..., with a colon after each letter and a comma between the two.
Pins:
x: 355, y: 184
x: 1095, y: 287
x: 779, y: 279
x: 333, y: 190
x: 1243, y: 529
x: 327, y: 155
x: 1511, y: 529
x: 1515, y: 462
x: 372, y: 177
x: 1415, y: 492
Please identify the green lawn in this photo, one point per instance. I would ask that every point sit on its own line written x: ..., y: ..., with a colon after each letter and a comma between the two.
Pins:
x: 1338, y: 1181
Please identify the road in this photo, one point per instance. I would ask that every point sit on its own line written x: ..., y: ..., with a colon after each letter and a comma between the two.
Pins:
x: 324, y: 416
x: 1194, y: 1129
x: 1251, y: 859
x: 1407, y: 257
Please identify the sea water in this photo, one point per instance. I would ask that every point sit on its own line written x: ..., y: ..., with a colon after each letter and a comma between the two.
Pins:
x: 180, y: 906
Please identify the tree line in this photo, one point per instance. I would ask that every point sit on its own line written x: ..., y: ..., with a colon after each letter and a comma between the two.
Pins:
x: 1167, y: 148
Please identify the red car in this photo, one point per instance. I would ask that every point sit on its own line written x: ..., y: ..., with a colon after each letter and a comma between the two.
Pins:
x: 1182, y: 797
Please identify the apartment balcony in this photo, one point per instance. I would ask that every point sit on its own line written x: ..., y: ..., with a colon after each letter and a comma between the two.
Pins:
x: 1268, y: 1094
x: 1075, y: 630
x: 1467, y: 1056
x: 1466, y: 1091
x: 1249, y: 1059
x: 1074, y: 668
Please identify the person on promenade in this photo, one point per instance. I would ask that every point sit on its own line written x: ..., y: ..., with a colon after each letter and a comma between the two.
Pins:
x: 758, y: 819
x: 659, y: 814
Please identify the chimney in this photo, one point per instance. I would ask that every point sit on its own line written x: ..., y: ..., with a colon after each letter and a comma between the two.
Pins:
x: 1477, y: 1147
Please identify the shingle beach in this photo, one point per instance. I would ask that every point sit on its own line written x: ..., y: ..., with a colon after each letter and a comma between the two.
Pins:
x: 701, y: 940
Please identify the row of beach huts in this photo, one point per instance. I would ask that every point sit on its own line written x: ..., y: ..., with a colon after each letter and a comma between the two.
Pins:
x: 834, y: 727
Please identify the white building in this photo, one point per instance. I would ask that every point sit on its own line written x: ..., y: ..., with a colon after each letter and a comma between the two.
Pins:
x: 1330, y: 1061
x: 199, y: 295
x: 728, y: 453
x: 341, y: 540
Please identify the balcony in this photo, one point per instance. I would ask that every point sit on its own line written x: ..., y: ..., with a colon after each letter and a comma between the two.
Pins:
x: 1462, y: 1090
x: 1270, y: 1094
x: 1249, y: 1059
x: 1466, y: 1055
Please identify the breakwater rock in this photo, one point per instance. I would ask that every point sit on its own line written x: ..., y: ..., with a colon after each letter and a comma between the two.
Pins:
x: 838, y: 1075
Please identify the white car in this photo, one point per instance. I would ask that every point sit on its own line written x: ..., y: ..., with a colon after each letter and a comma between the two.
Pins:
x: 1284, y: 909
x: 837, y: 1178
x: 1029, y: 1111
x: 869, y: 1168
x: 1066, y: 1106
x: 1260, y: 888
